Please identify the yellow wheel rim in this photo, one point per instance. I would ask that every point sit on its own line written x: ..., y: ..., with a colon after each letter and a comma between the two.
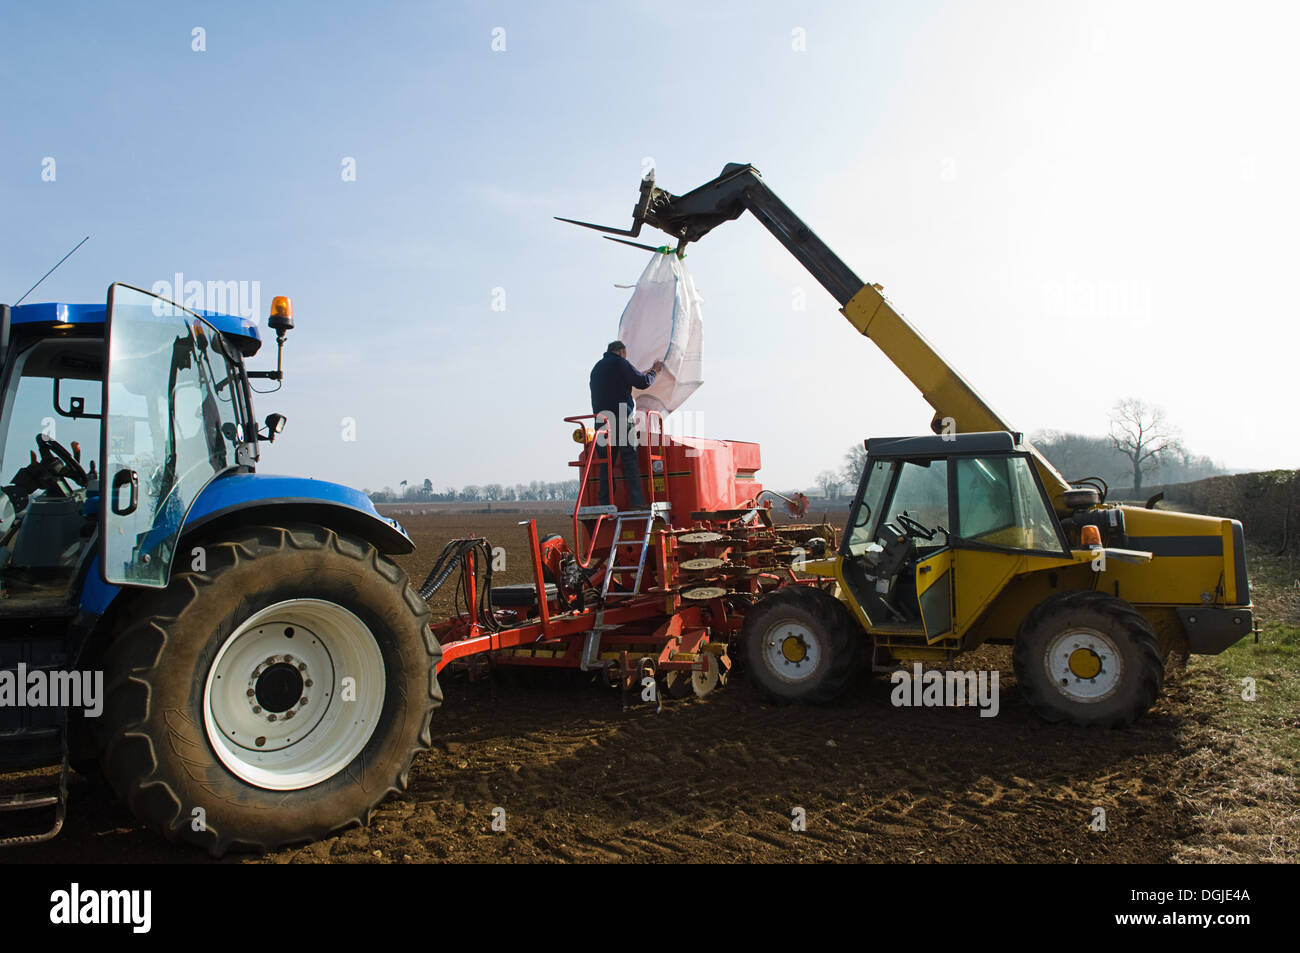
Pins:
x: 793, y: 649
x: 1085, y: 663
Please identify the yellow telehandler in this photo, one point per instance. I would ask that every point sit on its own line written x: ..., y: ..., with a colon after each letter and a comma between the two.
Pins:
x: 970, y: 536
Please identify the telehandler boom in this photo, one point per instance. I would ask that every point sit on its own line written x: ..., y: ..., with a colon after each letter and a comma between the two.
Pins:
x: 957, y: 405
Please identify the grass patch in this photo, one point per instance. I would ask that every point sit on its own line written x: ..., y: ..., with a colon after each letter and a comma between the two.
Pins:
x: 1270, y: 659
x: 1241, y: 770
x: 1271, y: 668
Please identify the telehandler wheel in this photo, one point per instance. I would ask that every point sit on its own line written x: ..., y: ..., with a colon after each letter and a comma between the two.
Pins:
x: 800, y: 646
x: 274, y: 697
x: 1089, y: 658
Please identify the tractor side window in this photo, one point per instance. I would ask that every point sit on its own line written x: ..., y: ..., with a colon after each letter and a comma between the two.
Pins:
x: 922, y: 492
x: 998, y: 503
x: 70, y: 369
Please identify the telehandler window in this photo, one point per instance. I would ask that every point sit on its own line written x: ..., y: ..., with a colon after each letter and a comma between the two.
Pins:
x: 922, y: 493
x: 999, y: 504
x: 862, y: 532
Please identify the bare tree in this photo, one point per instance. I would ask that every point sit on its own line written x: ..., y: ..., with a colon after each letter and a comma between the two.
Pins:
x: 1141, y: 433
x: 828, y: 482
x: 854, y: 462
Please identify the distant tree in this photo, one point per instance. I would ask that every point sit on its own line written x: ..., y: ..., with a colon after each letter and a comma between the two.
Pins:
x: 1143, y: 436
x: 471, y: 493
x: 1184, y: 467
x: 428, y: 488
x: 828, y: 481
x: 1080, y: 455
x: 854, y: 462
x: 492, y: 492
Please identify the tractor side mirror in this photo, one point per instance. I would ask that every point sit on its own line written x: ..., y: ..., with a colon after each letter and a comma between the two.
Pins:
x: 274, y: 424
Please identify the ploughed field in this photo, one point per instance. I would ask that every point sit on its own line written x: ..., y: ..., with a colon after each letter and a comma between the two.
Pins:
x: 574, y: 777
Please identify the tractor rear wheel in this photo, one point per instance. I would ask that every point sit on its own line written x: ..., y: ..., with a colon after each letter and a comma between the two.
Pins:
x: 274, y: 697
x: 1090, y: 659
x: 800, y: 646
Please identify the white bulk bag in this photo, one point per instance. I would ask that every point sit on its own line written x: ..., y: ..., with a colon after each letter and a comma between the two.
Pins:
x: 662, y: 323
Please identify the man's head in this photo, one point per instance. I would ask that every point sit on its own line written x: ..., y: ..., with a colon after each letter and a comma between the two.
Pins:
x: 617, y: 347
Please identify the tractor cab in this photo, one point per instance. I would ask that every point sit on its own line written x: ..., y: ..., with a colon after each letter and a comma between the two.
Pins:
x: 933, y: 523
x: 112, y: 419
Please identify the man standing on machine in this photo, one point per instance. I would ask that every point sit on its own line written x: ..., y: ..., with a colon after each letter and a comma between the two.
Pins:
x: 612, y: 380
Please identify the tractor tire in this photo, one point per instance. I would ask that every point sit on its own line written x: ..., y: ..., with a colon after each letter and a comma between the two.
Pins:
x: 1090, y: 659
x: 800, y: 646
x: 275, y: 697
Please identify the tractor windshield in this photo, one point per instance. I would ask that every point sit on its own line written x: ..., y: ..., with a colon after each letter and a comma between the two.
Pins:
x: 174, y: 421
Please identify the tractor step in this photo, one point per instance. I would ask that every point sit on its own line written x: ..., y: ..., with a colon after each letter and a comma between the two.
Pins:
x: 33, y: 807
x: 27, y: 801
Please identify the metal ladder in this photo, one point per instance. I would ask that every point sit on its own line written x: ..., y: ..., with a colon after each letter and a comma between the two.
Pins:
x: 591, y: 648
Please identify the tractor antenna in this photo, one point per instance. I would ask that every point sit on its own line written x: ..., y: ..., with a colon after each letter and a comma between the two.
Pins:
x: 51, y: 271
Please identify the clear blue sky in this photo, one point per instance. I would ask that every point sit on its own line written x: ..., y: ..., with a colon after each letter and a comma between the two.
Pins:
x: 1076, y: 203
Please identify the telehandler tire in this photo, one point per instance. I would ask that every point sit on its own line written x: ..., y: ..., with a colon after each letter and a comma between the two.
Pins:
x: 801, y: 646
x: 273, y: 697
x: 1090, y: 659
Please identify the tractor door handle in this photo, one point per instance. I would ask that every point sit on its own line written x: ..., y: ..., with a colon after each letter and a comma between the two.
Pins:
x: 120, y: 479
x: 925, y: 569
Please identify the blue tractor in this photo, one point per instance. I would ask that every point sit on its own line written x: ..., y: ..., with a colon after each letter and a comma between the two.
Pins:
x: 235, y: 653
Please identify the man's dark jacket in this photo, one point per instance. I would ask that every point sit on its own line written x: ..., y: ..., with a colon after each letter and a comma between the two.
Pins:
x: 612, y: 380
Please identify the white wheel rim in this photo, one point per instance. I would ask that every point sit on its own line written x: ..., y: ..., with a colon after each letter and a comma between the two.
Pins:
x: 703, y: 682
x: 1075, y: 653
x: 791, y: 651
x: 272, y: 736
